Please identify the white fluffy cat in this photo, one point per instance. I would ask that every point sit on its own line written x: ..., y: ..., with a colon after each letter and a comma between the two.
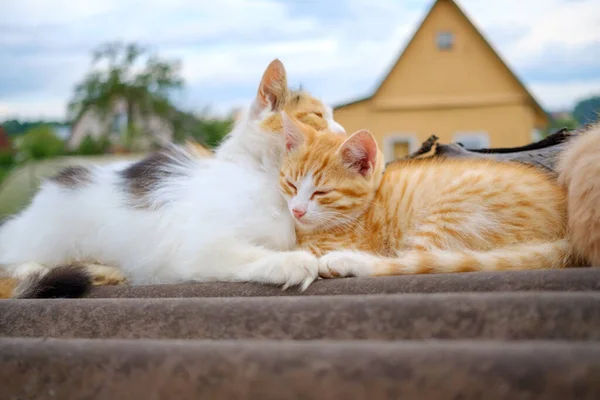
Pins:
x: 173, y: 217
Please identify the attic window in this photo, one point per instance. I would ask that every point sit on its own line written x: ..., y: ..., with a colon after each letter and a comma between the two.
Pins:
x: 445, y: 40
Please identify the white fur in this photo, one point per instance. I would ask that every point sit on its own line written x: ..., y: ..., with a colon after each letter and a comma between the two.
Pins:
x: 332, y: 124
x: 347, y: 263
x: 221, y: 218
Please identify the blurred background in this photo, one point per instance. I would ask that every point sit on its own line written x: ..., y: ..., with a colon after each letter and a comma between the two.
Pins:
x: 100, y: 80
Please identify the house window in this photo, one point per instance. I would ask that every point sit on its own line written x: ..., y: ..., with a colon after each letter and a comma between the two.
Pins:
x: 473, y: 140
x: 399, y: 145
x: 401, y: 149
x: 445, y: 40
x: 119, y: 123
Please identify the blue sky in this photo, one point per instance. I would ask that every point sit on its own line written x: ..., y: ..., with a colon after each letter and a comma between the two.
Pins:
x: 337, y: 49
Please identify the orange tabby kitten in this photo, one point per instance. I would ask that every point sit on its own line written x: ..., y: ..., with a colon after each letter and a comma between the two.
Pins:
x: 420, y: 216
x: 579, y: 171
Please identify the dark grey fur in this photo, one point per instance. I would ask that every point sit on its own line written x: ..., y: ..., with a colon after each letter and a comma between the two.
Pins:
x: 145, y: 176
x: 73, y: 177
x: 68, y: 281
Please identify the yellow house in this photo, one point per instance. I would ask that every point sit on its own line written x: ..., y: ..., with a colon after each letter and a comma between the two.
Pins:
x: 449, y: 82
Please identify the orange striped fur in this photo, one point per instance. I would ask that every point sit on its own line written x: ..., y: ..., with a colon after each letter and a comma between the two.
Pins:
x: 426, y: 215
x: 579, y: 172
x: 303, y: 107
x: 198, y: 149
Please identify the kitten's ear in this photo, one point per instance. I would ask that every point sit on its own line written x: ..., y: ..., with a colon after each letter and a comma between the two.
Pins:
x: 292, y: 131
x: 273, y: 88
x: 359, y: 152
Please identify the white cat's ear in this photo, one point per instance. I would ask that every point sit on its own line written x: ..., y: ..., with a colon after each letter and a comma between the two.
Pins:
x: 359, y: 152
x: 272, y: 89
x: 294, y: 136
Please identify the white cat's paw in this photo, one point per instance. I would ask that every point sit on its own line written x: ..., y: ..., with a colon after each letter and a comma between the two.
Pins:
x: 345, y: 263
x: 298, y: 268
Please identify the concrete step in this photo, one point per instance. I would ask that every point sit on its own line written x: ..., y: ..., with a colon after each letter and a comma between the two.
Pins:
x: 497, y: 316
x: 573, y: 279
x: 282, y: 370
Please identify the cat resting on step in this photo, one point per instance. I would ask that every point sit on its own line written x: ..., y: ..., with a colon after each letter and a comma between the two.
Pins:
x: 174, y: 216
x: 420, y: 216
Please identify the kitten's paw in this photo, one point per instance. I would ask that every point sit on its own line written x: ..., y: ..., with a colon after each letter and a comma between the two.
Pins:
x: 298, y: 268
x: 345, y: 263
x: 103, y: 275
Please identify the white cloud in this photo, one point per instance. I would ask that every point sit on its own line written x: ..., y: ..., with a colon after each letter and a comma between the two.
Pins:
x: 37, y: 12
x: 547, y: 23
x: 31, y: 108
x: 561, y: 96
x: 338, y: 52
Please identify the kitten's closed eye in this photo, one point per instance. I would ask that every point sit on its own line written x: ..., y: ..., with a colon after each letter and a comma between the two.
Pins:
x: 318, y: 114
x: 321, y: 193
x: 291, y: 185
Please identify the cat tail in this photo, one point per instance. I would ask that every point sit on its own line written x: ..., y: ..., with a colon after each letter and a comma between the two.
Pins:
x: 551, y: 255
x: 579, y: 172
x: 7, y: 287
x: 67, y: 281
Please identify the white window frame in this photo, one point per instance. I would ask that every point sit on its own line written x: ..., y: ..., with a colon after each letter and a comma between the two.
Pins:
x: 482, y: 136
x: 536, y: 135
x: 391, y: 139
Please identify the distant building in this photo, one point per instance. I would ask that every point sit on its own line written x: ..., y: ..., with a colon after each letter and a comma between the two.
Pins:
x: 5, y: 143
x: 450, y: 82
x: 152, y: 129
x: 558, y: 115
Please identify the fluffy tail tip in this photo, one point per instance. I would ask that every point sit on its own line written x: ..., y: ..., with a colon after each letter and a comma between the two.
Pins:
x: 69, y: 281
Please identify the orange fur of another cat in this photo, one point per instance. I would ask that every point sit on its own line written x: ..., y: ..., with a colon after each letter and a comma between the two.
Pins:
x: 579, y: 172
x: 299, y: 104
x: 420, y: 216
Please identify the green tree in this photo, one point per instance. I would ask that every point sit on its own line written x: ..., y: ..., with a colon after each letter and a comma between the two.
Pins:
x: 115, y: 76
x: 214, y: 130
x: 15, y: 127
x: 587, y: 111
x: 39, y: 143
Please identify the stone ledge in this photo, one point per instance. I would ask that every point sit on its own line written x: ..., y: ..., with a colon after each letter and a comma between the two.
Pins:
x: 264, y: 370
x: 572, y: 279
x: 498, y: 316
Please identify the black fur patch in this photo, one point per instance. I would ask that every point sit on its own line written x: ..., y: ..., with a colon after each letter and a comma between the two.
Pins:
x: 73, y: 177
x: 68, y: 281
x: 143, y: 177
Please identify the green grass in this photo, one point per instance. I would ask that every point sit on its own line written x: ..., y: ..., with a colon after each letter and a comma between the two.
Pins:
x: 21, y: 184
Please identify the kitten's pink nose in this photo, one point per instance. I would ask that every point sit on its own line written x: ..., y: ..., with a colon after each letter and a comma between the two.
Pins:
x: 298, y: 212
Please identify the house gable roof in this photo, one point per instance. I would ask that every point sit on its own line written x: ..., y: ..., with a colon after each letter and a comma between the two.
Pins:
x: 460, y: 12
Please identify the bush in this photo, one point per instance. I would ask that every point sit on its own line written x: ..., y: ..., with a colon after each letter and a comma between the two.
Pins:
x: 587, y: 111
x: 210, y: 131
x: 39, y: 143
x: 90, y: 146
x: 3, y: 174
x: 7, y: 159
